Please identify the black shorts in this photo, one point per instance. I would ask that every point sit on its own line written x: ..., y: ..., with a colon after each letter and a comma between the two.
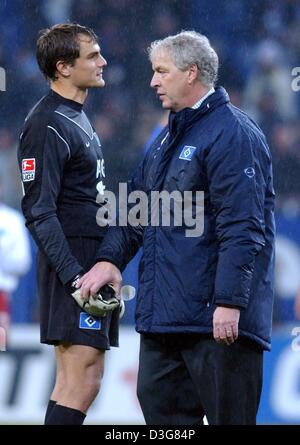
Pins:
x: 61, y: 319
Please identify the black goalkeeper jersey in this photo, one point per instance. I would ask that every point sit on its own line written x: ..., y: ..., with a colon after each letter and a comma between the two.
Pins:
x: 62, y: 170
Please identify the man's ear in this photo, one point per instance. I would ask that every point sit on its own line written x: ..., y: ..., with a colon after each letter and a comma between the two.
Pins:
x: 193, y: 73
x: 63, y: 68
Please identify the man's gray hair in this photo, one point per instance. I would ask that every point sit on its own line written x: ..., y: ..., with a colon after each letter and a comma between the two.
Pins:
x: 187, y: 48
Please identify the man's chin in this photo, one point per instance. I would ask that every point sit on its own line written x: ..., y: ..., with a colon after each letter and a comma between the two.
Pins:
x: 166, y: 105
x: 98, y: 84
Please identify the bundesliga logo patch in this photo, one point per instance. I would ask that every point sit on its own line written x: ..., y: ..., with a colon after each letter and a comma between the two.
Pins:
x: 187, y: 153
x: 28, y: 169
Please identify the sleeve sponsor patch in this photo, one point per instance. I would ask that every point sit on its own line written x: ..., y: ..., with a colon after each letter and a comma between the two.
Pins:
x: 28, y: 169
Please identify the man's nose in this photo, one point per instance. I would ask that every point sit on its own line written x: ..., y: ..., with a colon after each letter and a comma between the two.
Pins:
x: 154, y: 81
x: 102, y: 61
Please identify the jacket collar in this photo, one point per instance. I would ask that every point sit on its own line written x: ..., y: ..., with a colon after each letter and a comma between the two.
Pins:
x: 186, y: 117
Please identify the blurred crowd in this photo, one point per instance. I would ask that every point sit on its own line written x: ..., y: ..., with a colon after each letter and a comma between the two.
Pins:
x: 258, y: 44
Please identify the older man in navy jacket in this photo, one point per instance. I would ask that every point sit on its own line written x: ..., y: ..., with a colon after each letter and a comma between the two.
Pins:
x: 204, y: 304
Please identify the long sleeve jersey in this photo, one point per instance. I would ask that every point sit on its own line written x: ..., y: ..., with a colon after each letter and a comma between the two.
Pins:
x: 62, y: 168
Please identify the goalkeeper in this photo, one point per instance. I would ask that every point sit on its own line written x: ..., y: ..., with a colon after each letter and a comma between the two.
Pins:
x: 62, y: 170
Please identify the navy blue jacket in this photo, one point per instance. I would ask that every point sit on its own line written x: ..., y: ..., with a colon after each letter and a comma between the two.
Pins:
x: 219, y: 150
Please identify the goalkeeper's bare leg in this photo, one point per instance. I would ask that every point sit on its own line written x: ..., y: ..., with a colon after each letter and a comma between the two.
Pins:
x: 60, y: 376
x: 78, y: 378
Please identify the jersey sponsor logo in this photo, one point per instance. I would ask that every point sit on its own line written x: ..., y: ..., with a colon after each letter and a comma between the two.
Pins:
x: 187, y: 153
x: 86, y: 321
x: 100, y: 168
x: 28, y: 169
x: 100, y: 187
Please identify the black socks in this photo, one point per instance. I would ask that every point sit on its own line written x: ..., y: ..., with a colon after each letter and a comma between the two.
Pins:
x: 61, y: 415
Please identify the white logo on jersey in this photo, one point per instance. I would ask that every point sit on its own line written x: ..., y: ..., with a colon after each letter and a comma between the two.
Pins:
x: 100, y: 168
x: 100, y: 188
